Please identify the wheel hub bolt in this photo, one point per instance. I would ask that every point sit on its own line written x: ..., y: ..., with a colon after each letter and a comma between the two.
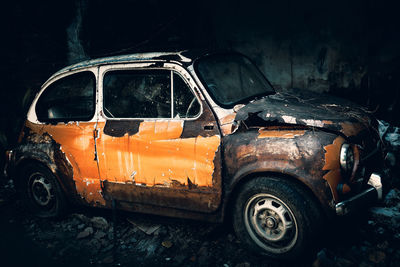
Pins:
x: 271, y: 222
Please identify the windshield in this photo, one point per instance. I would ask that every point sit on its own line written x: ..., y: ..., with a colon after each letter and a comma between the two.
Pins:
x: 232, y: 79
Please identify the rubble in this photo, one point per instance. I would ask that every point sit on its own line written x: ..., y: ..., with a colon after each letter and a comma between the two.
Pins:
x: 85, y: 233
x: 99, y: 222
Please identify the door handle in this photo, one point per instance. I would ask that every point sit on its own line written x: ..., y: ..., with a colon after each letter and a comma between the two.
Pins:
x: 209, y: 127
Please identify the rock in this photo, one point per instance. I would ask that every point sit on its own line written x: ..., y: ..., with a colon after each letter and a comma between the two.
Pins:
x: 95, y: 244
x: 108, y: 248
x: 85, y: 233
x: 380, y: 230
x: 81, y: 217
x: 324, y: 258
x: 99, y: 234
x: 144, y: 227
x: 390, y: 217
x: 179, y: 259
x: 392, y: 198
x: 342, y: 262
x: 243, y: 264
x: 166, y: 244
x: 99, y: 223
x: 365, y: 264
x: 74, y: 222
x: 108, y: 259
x: 377, y: 256
x: 384, y: 245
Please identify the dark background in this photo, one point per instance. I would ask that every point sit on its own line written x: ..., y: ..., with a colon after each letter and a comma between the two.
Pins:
x: 345, y: 48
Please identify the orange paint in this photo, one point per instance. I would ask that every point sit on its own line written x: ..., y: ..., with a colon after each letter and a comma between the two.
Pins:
x: 266, y: 133
x: 156, y: 155
x: 77, y: 143
x: 332, y: 165
x: 346, y: 189
x: 327, y: 122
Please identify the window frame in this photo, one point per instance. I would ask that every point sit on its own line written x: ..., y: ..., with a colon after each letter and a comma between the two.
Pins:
x: 32, y: 113
x: 175, y: 69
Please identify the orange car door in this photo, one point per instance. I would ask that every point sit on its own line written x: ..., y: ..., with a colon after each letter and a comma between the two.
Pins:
x: 158, y: 142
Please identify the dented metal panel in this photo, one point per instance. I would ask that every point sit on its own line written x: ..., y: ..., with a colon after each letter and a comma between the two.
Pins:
x: 306, y: 109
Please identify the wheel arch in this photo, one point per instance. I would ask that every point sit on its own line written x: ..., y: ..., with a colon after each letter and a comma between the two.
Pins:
x: 23, y: 162
x: 297, y: 181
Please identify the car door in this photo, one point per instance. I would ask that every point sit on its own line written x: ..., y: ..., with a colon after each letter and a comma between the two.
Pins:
x: 158, y: 141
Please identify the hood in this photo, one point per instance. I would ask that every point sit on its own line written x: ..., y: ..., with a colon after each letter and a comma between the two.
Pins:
x: 306, y: 108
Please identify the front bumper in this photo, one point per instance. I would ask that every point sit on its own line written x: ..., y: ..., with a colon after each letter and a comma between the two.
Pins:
x: 366, y: 197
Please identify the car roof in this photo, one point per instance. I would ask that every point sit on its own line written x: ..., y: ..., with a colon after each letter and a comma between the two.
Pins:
x: 161, y: 56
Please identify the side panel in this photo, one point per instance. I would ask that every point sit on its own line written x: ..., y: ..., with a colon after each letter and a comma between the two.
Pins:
x: 69, y: 150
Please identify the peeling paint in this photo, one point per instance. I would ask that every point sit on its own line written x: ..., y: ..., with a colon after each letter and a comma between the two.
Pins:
x: 314, y: 123
x: 287, y: 119
x: 227, y: 123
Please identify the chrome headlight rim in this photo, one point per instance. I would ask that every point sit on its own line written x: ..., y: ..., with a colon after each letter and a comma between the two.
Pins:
x: 347, y: 158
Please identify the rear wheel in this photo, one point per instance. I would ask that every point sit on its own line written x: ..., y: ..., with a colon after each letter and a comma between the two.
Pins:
x: 41, y: 191
x: 277, y: 218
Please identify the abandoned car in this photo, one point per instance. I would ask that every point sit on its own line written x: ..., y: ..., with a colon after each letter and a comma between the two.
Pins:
x: 200, y: 136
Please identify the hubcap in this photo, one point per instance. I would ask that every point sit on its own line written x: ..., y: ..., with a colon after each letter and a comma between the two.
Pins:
x: 41, y: 189
x: 270, y: 223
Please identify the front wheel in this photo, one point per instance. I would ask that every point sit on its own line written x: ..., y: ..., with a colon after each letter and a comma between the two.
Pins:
x: 277, y: 218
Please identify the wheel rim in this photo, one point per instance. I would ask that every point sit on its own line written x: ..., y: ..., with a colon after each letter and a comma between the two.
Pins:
x: 270, y: 223
x: 41, y: 189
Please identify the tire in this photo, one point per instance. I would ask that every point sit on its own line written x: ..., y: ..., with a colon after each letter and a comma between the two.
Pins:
x: 41, y: 191
x: 277, y: 218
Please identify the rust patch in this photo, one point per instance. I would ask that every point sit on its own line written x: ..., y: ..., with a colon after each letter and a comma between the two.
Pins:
x: 266, y: 133
x: 227, y: 123
x: 332, y: 165
x: 351, y: 129
x: 327, y: 122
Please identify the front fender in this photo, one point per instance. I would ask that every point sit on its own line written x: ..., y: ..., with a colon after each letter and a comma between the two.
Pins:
x: 295, y: 153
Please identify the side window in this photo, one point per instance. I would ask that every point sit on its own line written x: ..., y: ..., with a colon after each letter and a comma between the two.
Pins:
x: 69, y: 98
x: 186, y: 104
x: 137, y: 94
x: 147, y: 94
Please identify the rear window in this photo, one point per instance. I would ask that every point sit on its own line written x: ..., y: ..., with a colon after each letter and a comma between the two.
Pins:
x: 71, y: 98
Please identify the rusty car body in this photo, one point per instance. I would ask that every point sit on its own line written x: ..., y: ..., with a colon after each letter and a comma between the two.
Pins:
x: 201, y: 136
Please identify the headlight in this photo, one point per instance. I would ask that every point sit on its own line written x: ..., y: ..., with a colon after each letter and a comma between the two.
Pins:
x: 346, y: 158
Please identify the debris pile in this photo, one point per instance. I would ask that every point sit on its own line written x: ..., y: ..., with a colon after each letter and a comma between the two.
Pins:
x: 390, y: 135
